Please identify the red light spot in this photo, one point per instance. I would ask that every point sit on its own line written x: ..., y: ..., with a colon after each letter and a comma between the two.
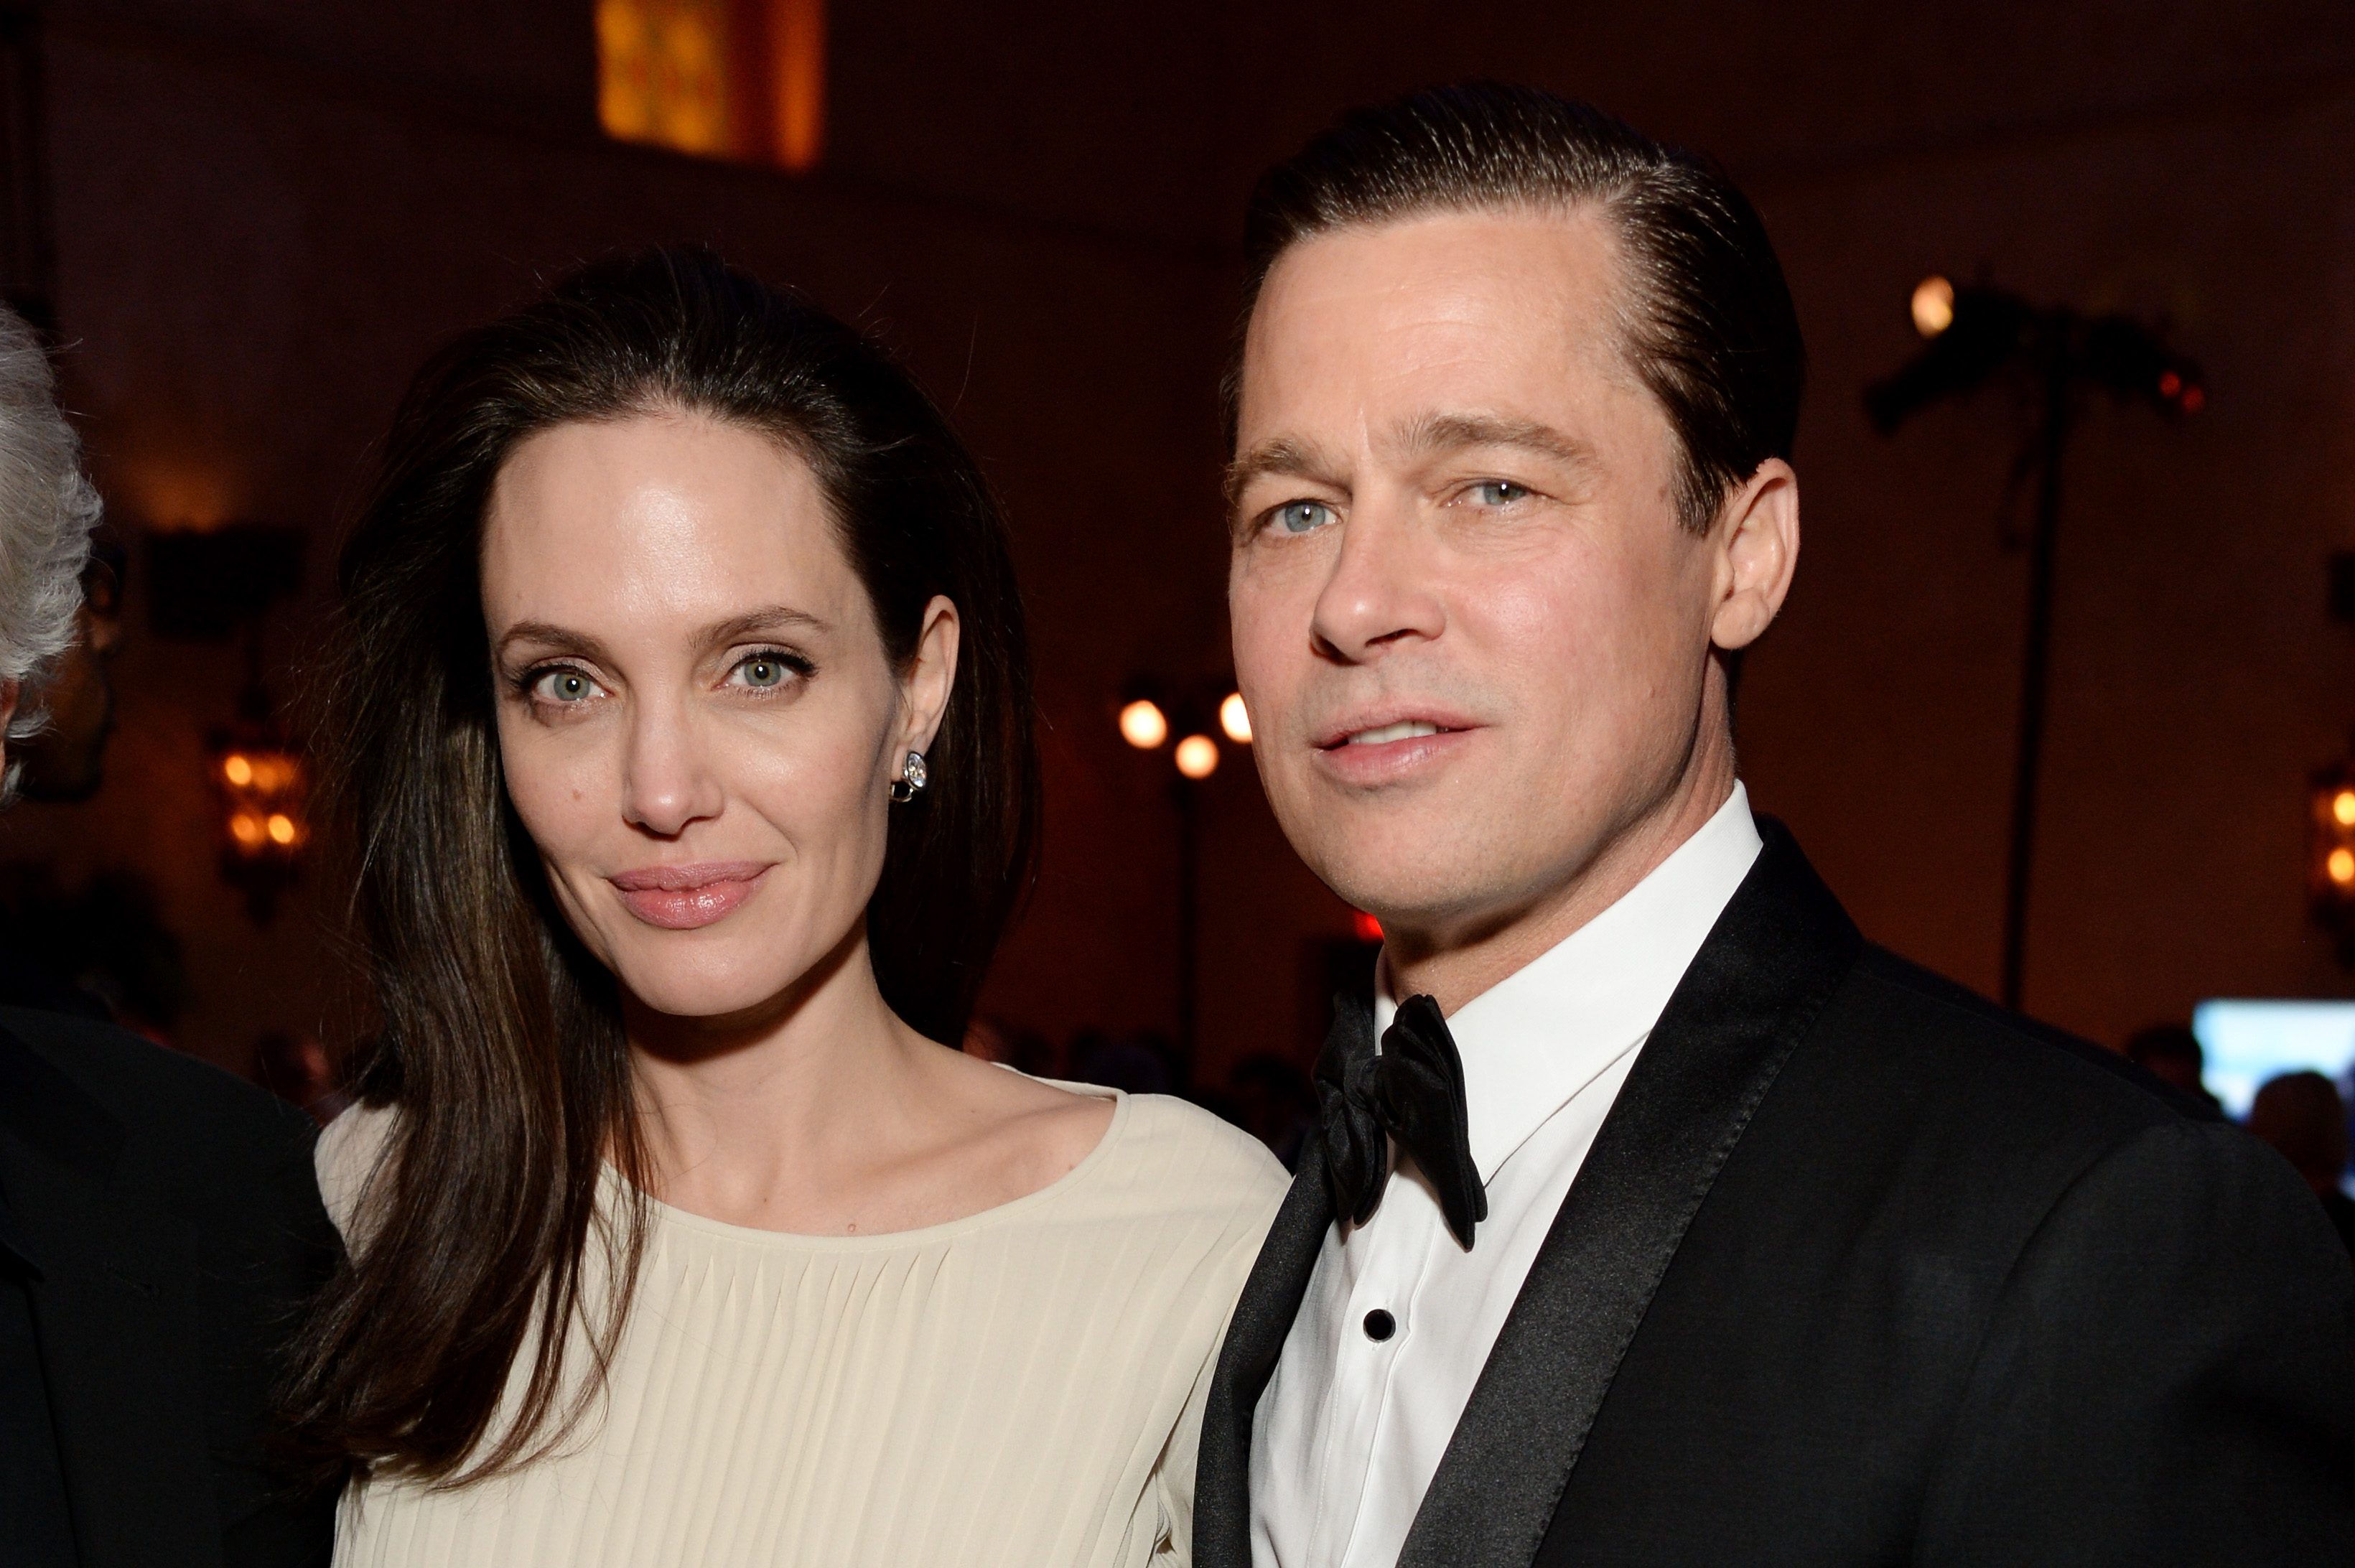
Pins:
x: 2170, y: 383
x: 2194, y: 400
x: 1367, y: 927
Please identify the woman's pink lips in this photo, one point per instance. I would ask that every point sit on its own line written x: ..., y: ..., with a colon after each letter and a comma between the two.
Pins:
x: 681, y: 898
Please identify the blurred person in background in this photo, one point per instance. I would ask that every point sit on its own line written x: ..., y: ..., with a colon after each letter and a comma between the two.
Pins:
x: 294, y: 1065
x: 159, y: 1220
x: 682, y: 737
x: 2301, y: 1115
x: 2171, y: 1054
x: 66, y: 761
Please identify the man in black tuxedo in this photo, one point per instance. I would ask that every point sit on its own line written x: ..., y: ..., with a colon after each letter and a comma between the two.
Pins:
x: 1656, y: 1217
x: 160, y: 1226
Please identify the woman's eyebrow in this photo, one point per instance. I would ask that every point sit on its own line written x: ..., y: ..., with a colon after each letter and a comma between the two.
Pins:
x: 772, y: 618
x: 546, y: 637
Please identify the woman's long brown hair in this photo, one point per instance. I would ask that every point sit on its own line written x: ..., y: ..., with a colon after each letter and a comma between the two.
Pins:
x: 499, y: 1038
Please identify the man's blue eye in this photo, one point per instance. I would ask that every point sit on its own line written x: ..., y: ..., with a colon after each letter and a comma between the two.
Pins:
x: 1499, y: 492
x: 1301, y: 517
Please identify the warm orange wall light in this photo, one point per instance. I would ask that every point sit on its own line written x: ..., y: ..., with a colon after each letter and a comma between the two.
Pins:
x: 741, y: 79
x: 798, y: 66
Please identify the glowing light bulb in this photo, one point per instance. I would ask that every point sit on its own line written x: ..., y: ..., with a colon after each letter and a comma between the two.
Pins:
x: 2341, y: 866
x: 1197, y: 756
x: 1143, y: 725
x: 1235, y: 718
x: 282, y: 829
x: 1934, y: 305
x: 2342, y: 807
x: 237, y: 771
x: 246, y: 828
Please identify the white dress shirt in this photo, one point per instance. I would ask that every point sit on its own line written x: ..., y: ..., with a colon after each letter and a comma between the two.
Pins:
x: 1351, y: 1428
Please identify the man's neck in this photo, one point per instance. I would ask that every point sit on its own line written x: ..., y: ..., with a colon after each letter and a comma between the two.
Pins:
x: 1454, y: 963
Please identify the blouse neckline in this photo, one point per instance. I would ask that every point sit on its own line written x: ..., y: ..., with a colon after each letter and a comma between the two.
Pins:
x: 923, y: 1235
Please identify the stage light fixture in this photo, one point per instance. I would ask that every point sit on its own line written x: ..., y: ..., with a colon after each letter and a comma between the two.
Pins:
x: 2054, y: 356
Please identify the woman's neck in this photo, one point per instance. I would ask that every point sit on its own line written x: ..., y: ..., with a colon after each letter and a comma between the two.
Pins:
x: 759, y: 1115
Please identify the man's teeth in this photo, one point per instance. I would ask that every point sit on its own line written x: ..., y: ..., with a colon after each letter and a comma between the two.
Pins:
x: 1405, y: 731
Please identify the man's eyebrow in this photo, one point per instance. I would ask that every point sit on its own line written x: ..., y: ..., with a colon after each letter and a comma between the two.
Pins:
x: 548, y: 637
x: 1286, y: 455
x: 1435, y: 433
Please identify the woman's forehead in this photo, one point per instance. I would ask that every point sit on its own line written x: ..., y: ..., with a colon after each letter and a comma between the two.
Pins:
x: 658, y: 515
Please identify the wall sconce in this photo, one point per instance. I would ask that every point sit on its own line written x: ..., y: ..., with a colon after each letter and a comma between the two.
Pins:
x: 2330, y: 859
x: 213, y: 586
x: 260, y: 790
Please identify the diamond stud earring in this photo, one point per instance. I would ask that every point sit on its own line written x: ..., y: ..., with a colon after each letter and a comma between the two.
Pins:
x: 910, y: 781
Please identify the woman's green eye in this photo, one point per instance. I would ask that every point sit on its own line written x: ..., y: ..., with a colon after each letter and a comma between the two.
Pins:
x: 567, y: 686
x: 763, y: 672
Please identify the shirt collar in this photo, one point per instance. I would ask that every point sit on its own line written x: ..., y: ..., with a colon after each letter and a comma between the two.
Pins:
x: 1534, y: 1040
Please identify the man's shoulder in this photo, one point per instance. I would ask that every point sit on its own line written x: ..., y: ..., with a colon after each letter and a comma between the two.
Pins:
x: 173, y: 1109
x: 2004, y: 1056
x: 1905, y: 1058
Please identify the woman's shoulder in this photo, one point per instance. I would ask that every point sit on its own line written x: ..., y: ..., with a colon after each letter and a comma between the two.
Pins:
x: 348, y: 1155
x: 1171, y: 1157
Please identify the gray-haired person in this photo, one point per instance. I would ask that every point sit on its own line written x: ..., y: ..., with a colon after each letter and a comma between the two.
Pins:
x: 158, y: 1218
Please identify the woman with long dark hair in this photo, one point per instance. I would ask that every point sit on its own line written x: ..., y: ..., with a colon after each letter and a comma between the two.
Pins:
x: 678, y: 715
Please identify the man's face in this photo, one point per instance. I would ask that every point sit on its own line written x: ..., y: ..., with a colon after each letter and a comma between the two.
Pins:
x: 1472, y: 634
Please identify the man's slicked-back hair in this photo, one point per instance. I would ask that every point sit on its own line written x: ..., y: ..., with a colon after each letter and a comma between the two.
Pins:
x: 1708, y: 324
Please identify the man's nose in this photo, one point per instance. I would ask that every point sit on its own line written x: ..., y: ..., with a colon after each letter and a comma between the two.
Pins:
x: 668, y: 778
x: 1383, y: 589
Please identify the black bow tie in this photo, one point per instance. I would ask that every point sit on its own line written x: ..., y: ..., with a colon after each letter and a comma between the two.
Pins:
x: 1414, y: 1091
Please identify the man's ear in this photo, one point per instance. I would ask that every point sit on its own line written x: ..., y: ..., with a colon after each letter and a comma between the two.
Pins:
x: 931, y: 676
x: 1756, y: 543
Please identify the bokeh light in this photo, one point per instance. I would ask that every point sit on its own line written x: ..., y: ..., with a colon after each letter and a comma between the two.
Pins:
x: 1143, y: 725
x: 1197, y: 756
x: 1934, y: 305
x: 1235, y: 718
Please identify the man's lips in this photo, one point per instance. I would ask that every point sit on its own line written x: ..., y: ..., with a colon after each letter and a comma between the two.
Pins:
x: 1385, y: 747
x: 681, y: 898
x: 1387, y: 727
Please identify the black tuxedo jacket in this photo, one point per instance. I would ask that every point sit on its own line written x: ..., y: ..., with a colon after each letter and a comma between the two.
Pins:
x: 160, y: 1227
x: 1863, y: 1270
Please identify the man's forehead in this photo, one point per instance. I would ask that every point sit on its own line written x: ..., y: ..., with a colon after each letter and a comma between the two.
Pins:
x: 1433, y: 318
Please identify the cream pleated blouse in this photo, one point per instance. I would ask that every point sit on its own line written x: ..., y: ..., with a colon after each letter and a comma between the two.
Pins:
x: 1022, y: 1387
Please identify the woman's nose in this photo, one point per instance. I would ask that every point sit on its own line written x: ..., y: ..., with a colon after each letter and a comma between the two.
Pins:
x: 668, y: 780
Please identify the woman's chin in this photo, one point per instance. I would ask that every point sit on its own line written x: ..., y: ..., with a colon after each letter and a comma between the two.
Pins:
x: 705, y: 999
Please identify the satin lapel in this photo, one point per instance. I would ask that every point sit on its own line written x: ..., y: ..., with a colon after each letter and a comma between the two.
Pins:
x: 1773, y: 960
x: 115, y: 1312
x: 1262, y: 1321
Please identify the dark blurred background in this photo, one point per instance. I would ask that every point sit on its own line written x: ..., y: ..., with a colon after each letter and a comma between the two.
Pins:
x: 250, y: 221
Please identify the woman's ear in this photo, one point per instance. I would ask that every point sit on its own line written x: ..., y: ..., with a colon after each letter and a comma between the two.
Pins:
x: 932, y: 675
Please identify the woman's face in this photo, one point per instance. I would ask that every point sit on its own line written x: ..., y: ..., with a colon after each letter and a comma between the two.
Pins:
x: 698, y: 718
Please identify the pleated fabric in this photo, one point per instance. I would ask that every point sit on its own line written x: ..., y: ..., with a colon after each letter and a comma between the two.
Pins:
x: 1022, y: 1387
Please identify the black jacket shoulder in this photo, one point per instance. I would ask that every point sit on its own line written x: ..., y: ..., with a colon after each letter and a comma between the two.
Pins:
x: 176, y: 1236
x: 164, y: 1099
